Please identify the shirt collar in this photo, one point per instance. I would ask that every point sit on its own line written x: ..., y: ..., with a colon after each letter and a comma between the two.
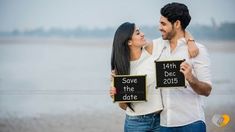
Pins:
x: 180, y: 41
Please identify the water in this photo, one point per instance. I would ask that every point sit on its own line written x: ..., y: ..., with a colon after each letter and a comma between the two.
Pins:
x: 53, y: 77
x: 64, y: 76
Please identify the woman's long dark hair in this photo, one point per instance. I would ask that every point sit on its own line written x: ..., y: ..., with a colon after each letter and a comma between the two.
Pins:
x: 120, y: 58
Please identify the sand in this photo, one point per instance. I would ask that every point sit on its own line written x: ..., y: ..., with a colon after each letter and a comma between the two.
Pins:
x: 84, y: 122
x: 92, y: 122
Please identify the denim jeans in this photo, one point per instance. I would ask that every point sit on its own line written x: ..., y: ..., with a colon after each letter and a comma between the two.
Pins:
x: 142, y: 123
x: 198, y: 126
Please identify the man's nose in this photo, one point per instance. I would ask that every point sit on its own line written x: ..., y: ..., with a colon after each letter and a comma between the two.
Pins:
x: 160, y: 27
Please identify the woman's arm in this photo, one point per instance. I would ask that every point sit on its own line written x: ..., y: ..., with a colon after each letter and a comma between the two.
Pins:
x: 113, y: 91
x: 149, y: 47
x: 123, y: 106
x: 192, y: 47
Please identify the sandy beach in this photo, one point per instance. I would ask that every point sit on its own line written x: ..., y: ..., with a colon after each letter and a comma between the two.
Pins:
x: 100, y: 122
x: 92, y: 122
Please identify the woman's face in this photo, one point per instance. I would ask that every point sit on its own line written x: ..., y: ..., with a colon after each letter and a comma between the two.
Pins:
x: 137, y: 39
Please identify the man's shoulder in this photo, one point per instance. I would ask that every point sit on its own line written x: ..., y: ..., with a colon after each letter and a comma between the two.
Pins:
x: 200, y: 46
x: 203, y: 52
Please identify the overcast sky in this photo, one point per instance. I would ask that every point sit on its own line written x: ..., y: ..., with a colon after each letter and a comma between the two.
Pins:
x: 29, y: 14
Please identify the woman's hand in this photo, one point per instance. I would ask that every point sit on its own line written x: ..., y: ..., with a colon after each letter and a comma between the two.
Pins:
x: 112, y: 92
x: 112, y: 75
x: 192, y: 47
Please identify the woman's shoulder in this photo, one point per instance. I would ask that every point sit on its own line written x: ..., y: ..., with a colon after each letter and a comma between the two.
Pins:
x: 153, y: 46
x: 158, y: 46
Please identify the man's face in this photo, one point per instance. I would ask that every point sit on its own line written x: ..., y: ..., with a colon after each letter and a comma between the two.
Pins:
x: 166, y: 28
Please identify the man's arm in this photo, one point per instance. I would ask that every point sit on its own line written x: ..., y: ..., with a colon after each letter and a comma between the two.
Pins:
x: 201, y: 88
x: 201, y: 81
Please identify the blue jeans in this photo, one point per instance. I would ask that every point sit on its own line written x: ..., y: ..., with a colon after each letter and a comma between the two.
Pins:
x: 142, y: 123
x: 198, y: 126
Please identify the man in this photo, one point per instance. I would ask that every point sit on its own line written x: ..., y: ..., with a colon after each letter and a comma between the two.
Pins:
x: 183, y: 107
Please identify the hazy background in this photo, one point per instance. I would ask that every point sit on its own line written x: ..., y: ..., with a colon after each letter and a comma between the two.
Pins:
x: 55, y: 60
x: 30, y: 14
x: 211, y: 19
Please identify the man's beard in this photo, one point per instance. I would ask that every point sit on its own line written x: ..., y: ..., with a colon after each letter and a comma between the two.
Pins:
x: 169, y: 35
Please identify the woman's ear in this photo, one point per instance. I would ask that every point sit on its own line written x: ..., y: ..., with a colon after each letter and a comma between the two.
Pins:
x: 129, y: 42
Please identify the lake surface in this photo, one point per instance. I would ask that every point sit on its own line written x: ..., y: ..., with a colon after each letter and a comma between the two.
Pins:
x: 53, y: 76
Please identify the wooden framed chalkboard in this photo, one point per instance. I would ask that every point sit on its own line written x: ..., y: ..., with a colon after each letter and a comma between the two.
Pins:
x: 168, y: 74
x: 130, y: 88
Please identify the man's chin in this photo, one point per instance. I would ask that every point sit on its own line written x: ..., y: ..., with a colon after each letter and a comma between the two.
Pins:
x: 164, y: 38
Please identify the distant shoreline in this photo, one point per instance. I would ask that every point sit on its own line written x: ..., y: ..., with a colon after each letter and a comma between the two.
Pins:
x: 227, y: 46
x: 99, y: 42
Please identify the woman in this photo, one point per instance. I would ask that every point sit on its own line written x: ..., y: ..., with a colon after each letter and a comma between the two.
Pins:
x: 130, y: 58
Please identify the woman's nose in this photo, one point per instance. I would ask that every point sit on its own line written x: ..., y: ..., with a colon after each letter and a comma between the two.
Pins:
x: 142, y: 34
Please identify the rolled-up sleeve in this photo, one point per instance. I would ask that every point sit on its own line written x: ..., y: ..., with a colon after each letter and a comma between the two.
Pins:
x: 201, y: 65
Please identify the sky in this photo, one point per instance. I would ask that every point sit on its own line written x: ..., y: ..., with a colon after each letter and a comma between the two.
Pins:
x: 69, y: 14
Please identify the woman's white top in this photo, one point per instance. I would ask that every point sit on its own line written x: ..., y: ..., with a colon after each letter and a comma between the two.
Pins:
x: 145, y: 66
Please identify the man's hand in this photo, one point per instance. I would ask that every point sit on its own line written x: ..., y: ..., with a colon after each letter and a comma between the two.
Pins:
x: 186, y: 69
x: 201, y: 88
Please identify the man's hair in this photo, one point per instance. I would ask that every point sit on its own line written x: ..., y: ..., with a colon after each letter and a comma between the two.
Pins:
x: 176, y: 11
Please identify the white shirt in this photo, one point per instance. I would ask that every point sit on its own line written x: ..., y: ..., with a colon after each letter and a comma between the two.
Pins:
x: 183, y: 106
x: 145, y: 66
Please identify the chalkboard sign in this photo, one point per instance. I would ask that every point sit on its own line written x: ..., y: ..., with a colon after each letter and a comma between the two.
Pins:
x: 168, y: 74
x: 130, y: 88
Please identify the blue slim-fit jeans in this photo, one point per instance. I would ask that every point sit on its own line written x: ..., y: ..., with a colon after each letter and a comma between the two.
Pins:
x: 142, y: 123
x: 198, y: 126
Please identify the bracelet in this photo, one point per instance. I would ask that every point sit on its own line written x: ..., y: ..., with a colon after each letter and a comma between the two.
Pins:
x: 190, y: 39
